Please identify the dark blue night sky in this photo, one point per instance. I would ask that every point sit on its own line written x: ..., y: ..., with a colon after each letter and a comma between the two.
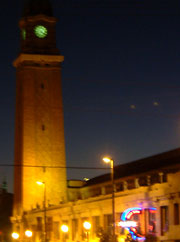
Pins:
x: 121, y: 80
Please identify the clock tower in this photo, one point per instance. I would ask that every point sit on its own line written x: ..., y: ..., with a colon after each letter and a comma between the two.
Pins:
x: 39, y: 128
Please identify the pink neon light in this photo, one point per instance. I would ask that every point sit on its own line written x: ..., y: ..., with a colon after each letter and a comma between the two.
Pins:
x: 152, y: 211
x: 132, y: 213
x: 134, y: 230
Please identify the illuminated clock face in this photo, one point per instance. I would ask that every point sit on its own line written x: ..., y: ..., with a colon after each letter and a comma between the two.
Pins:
x: 40, y: 31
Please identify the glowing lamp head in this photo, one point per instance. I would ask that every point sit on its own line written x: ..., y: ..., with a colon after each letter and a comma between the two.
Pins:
x: 86, y: 179
x: 28, y: 233
x: 40, y: 183
x: 15, y: 235
x: 64, y: 228
x: 107, y: 159
x: 87, y: 225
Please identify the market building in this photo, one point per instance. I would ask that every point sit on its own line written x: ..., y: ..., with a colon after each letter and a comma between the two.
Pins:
x: 147, y: 193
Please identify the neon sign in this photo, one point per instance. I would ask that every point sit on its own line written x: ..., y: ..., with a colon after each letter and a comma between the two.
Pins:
x: 132, y: 213
x: 132, y: 226
x: 126, y: 224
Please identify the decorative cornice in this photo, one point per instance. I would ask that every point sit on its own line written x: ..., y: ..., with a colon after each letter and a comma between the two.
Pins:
x: 42, y: 59
x: 39, y: 17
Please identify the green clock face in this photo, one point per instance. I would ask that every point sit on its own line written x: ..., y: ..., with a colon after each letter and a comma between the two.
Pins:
x: 23, y: 32
x: 40, y: 31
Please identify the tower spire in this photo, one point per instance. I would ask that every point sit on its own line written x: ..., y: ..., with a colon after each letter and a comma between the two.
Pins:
x: 37, y: 7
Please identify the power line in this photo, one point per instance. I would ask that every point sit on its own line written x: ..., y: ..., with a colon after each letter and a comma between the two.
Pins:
x: 55, y: 167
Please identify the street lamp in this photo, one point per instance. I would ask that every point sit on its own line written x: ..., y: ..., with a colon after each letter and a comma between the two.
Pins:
x: 40, y: 183
x: 111, y: 161
x: 64, y: 229
x: 87, y: 226
x: 15, y: 235
x: 28, y: 233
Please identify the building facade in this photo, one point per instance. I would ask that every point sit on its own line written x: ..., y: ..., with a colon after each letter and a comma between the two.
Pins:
x: 147, y: 192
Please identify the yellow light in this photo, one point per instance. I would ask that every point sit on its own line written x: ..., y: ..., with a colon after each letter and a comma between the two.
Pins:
x: 155, y: 103
x: 64, y: 228
x: 86, y: 179
x: 133, y: 106
x: 28, y: 233
x: 87, y: 225
x: 121, y: 239
x: 40, y: 183
x: 106, y: 159
x: 15, y: 235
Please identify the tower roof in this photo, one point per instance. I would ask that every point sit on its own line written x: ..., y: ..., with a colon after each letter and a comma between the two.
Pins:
x: 36, y: 7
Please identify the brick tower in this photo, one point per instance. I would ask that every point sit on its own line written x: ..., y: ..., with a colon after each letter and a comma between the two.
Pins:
x: 39, y: 128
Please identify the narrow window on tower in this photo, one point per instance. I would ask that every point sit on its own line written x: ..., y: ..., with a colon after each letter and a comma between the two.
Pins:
x: 42, y: 85
x: 176, y: 214
x: 43, y: 127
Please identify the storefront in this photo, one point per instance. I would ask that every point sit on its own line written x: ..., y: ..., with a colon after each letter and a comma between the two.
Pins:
x: 138, y: 222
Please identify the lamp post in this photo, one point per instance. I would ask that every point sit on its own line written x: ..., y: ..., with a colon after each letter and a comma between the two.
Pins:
x: 64, y: 229
x: 87, y: 226
x: 15, y: 235
x: 45, y: 227
x: 111, y: 161
x: 28, y: 234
